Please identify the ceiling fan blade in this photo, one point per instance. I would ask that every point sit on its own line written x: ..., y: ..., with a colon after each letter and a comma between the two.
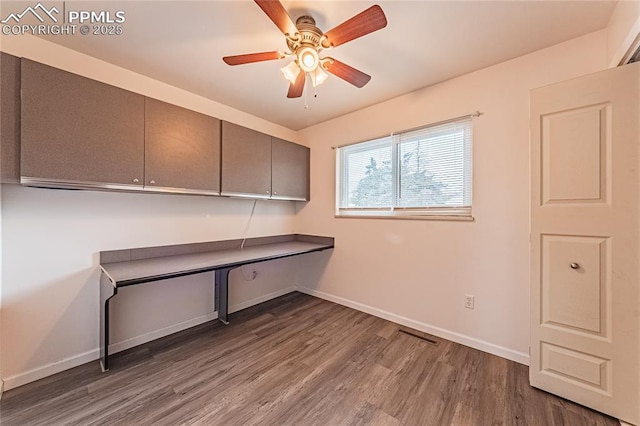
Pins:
x: 362, y: 24
x: 278, y: 14
x: 347, y: 73
x: 252, y: 57
x: 296, y: 89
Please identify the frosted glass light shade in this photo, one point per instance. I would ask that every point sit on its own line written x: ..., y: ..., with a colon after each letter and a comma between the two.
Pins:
x: 318, y: 76
x: 291, y: 71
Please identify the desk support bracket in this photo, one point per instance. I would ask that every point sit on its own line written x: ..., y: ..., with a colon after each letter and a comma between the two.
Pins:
x: 221, y: 297
x: 107, y: 291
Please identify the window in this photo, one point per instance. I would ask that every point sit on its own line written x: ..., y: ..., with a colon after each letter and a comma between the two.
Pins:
x: 419, y: 172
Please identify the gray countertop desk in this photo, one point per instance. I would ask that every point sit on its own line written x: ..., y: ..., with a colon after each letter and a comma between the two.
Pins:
x: 121, y: 268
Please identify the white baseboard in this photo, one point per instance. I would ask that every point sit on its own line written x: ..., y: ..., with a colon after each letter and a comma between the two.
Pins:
x: 50, y: 369
x: 472, y: 342
x: 93, y: 355
x: 257, y: 300
x: 174, y: 328
x: 156, y: 334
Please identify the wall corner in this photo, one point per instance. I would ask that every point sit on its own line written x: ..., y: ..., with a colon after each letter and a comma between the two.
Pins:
x: 623, y: 32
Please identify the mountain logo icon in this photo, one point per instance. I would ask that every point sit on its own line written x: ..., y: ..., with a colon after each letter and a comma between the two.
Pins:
x: 38, y: 11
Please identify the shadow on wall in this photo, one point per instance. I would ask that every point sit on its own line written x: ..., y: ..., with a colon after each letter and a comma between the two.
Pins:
x: 312, y: 268
x: 51, y: 312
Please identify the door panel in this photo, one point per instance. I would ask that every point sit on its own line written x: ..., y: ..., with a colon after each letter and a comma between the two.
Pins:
x: 576, y: 368
x: 574, y: 145
x: 574, y: 282
x: 585, y: 327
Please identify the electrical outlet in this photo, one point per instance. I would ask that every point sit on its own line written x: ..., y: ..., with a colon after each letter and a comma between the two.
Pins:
x: 249, y: 274
x: 468, y: 301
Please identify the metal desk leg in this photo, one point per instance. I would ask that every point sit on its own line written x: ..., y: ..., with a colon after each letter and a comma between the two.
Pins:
x: 107, y: 291
x: 222, y: 293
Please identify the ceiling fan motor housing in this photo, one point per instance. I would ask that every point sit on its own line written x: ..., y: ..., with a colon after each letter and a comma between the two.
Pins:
x: 309, y: 34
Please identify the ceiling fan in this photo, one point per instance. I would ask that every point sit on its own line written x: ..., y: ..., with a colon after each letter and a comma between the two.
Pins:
x: 306, y: 42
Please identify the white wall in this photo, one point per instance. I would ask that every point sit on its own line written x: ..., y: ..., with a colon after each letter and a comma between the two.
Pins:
x: 417, y: 271
x: 623, y: 28
x: 51, y: 240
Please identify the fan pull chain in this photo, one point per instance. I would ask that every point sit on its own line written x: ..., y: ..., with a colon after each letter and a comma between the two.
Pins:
x: 306, y: 106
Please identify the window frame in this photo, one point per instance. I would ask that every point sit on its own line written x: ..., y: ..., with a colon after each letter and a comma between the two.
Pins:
x: 456, y: 213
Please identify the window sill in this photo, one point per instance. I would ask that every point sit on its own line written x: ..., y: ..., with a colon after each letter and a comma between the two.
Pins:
x: 441, y: 217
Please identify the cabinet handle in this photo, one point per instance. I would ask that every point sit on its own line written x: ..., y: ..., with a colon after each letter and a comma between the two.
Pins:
x: 135, y: 180
x: 275, y: 193
x: 152, y: 181
x: 574, y: 265
x: 267, y: 191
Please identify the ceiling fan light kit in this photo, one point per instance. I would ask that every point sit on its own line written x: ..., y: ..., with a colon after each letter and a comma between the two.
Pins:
x: 308, y: 59
x: 306, y: 41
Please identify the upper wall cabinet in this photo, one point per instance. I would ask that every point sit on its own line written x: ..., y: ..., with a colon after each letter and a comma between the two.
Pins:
x: 10, y: 118
x: 246, y: 162
x: 182, y: 150
x: 289, y: 170
x: 68, y: 131
x: 78, y: 132
x: 260, y: 166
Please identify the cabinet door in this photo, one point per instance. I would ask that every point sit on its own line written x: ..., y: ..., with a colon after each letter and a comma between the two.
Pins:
x: 182, y: 149
x: 78, y: 132
x: 10, y: 119
x: 289, y: 170
x: 246, y: 162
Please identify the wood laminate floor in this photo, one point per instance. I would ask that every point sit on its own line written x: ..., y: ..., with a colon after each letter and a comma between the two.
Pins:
x: 295, y: 360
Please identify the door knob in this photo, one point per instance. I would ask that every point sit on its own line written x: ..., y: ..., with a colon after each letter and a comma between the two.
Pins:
x: 135, y: 180
x: 574, y: 265
x: 152, y: 182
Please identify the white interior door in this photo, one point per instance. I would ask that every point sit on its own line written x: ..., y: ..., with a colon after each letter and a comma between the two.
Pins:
x: 585, y: 229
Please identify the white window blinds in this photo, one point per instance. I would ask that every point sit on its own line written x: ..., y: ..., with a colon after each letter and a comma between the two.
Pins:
x: 421, y: 171
x: 369, y: 175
